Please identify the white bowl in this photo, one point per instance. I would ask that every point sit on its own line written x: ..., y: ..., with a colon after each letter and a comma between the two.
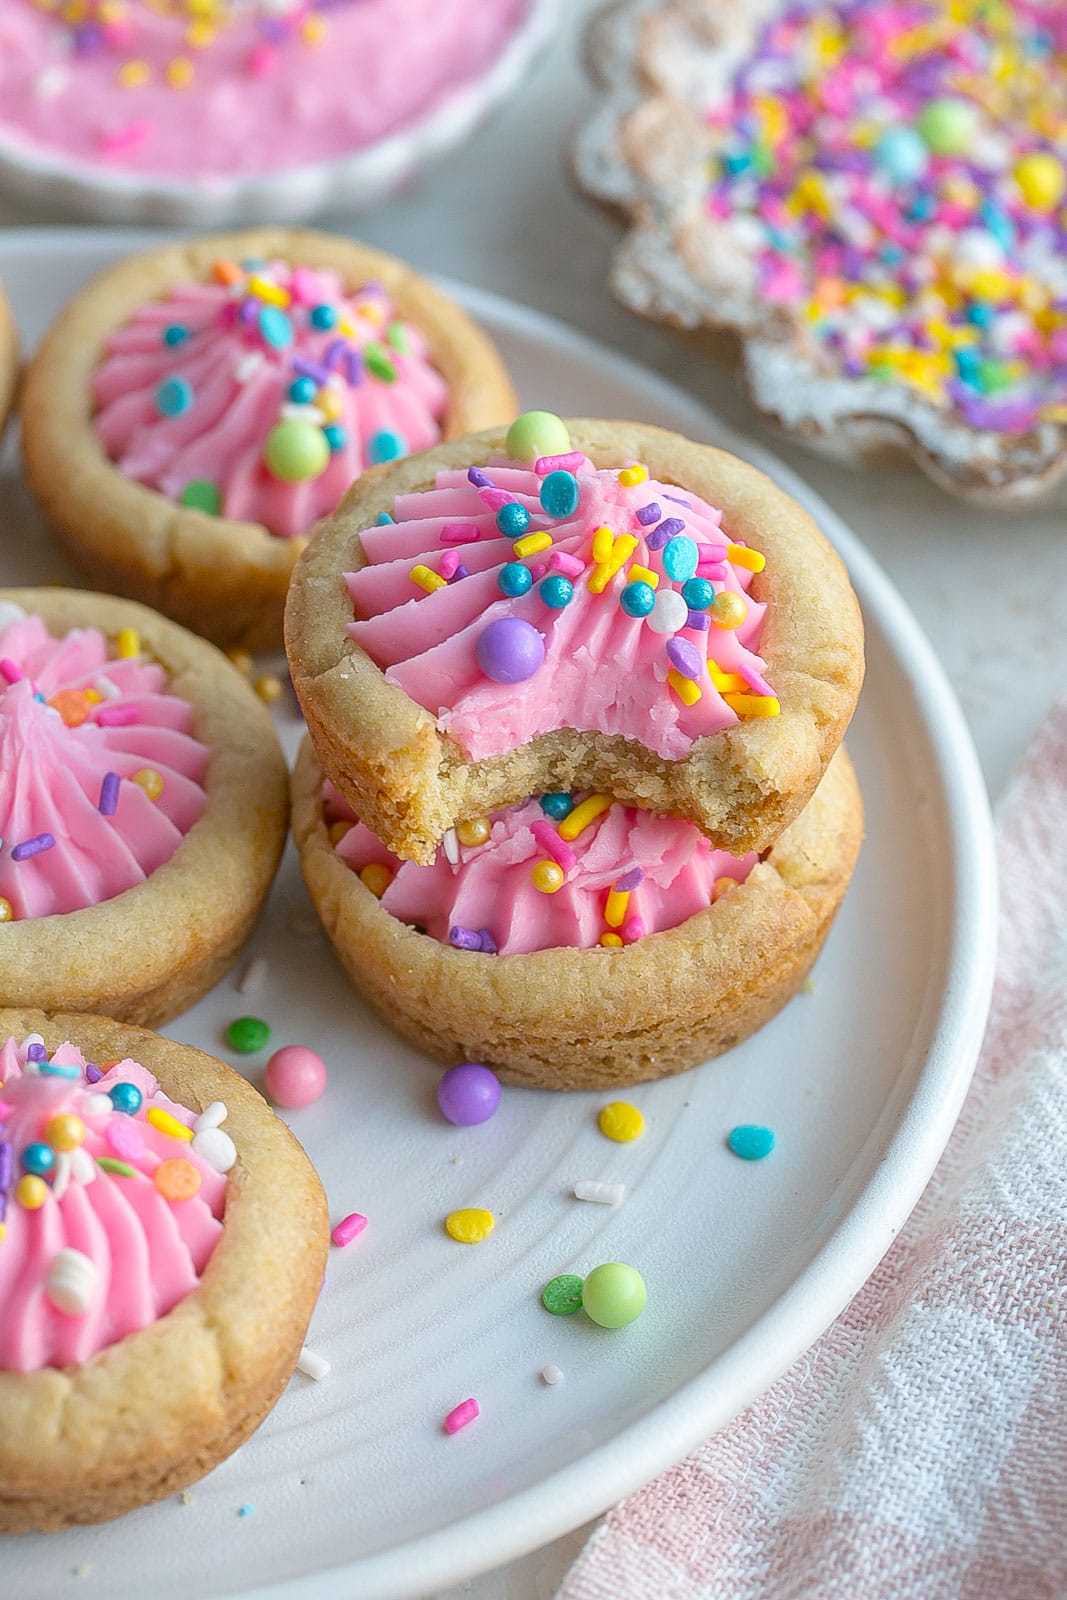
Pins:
x: 350, y: 182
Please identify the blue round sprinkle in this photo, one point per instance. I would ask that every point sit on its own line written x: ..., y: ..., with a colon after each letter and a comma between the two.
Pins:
x: 513, y: 520
x: 556, y: 591
x: 560, y: 494
x: 902, y: 155
x: 323, y: 317
x: 514, y: 579
x: 38, y: 1159
x: 302, y: 391
x: 384, y: 520
x: 336, y: 436
x: 175, y: 334
x: 698, y: 593
x: 750, y: 1141
x: 126, y: 1097
x: 386, y: 446
x: 557, y: 806
x: 680, y: 557
x: 637, y: 599
x: 173, y: 397
x: 275, y: 327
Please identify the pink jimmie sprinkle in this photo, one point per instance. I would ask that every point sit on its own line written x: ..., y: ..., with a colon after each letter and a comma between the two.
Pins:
x: 117, y: 716
x: 11, y: 670
x: 563, y: 561
x: 568, y: 463
x: 757, y: 684
x: 465, y: 1412
x: 126, y: 137
x: 347, y: 1229
x: 549, y: 840
x: 448, y: 563
x: 495, y: 498
x: 459, y: 533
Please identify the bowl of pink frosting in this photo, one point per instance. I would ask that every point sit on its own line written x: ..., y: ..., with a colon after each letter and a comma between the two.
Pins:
x: 197, y: 112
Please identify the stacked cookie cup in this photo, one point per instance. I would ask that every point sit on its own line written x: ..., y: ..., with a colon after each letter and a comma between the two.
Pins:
x: 589, y: 819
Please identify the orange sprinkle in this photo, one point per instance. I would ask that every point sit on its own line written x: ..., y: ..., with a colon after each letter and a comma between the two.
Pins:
x: 72, y: 705
x: 226, y: 272
x: 177, y: 1179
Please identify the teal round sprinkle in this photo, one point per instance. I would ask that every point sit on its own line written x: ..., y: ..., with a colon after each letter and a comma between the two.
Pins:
x: 323, y: 317
x: 556, y: 591
x: 388, y: 445
x: 680, y: 557
x: 302, y: 391
x: 698, y: 593
x: 200, y: 494
x: 557, y: 806
x: 246, y: 1035
x: 560, y: 494
x: 173, y: 397
x: 563, y: 1295
x: 336, y: 436
x: 750, y: 1141
x: 275, y: 327
x: 175, y: 334
x: 513, y: 520
x: 637, y: 599
x: 514, y: 579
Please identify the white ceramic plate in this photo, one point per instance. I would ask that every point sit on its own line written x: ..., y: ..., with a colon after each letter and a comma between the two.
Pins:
x: 356, y: 1490
x: 343, y: 183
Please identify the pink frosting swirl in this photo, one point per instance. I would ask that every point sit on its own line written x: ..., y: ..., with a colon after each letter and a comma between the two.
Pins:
x: 666, y: 869
x: 76, y: 726
x: 193, y: 387
x: 664, y: 679
x: 136, y: 1252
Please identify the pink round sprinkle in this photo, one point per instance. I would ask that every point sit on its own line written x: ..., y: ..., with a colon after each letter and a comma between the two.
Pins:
x: 123, y: 1138
x: 465, y: 1412
x: 11, y: 670
x: 295, y: 1077
x: 348, y: 1228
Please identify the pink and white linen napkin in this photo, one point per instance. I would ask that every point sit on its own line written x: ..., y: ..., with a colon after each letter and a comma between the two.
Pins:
x: 919, y: 1450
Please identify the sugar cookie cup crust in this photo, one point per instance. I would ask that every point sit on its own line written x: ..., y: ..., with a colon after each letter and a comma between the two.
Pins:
x: 596, y: 1019
x: 151, y: 952
x: 159, y: 1409
x: 9, y: 359
x: 742, y: 786
x: 223, y: 578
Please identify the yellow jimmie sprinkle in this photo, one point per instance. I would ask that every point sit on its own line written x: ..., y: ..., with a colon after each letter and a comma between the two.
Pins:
x: 272, y: 293
x: 615, y: 907
x: 753, y: 705
x: 128, y: 643
x: 610, y: 941
x: 167, y: 1124
x: 579, y: 819
x: 687, y: 691
x: 603, y: 540
x: 630, y: 477
x: 132, y: 74
x: 376, y: 877
x: 741, y: 556
x: 621, y: 551
x: 426, y: 579
x: 638, y: 574
x: 531, y: 544
x: 725, y: 682
x: 314, y: 30
x: 179, y: 72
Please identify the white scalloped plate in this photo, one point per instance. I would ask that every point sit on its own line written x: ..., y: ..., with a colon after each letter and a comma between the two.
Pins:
x: 356, y: 1490
x: 344, y: 183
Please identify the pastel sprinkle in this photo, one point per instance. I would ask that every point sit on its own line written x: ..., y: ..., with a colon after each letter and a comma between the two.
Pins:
x: 621, y: 1122
x: 109, y: 794
x: 470, y: 1225
x: 460, y: 1416
x: 347, y: 1229
x: 751, y: 1141
x: 562, y: 1296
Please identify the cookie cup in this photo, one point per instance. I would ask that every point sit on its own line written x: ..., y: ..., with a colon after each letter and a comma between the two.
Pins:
x: 156, y: 1411
x: 742, y: 786
x: 596, y: 1019
x: 152, y: 951
x: 9, y: 359
x: 223, y: 578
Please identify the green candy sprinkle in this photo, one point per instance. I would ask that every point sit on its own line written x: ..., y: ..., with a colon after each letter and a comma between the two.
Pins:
x: 563, y: 1296
x: 397, y: 337
x: 200, y: 494
x: 119, y: 1169
x: 378, y: 363
x: 246, y: 1035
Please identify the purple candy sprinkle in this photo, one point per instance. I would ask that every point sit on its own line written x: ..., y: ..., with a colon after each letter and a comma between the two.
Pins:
x: 464, y: 938
x: 311, y: 369
x: 678, y: 501
x: 32, y: 847
x: 486, y: 942
x: 353, y: 364
x: 35, y: 1052
x: 480, y: 479
x: 460, y: 572
x: 630, y: 880
x: 334, y: 352
x: 109, y: 794
x: 7, y: 1162
x: 699, y: 620
x: 668, y: 529
x: 92, y: 1072
x: 684, y: 657
x: 649, y: 514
